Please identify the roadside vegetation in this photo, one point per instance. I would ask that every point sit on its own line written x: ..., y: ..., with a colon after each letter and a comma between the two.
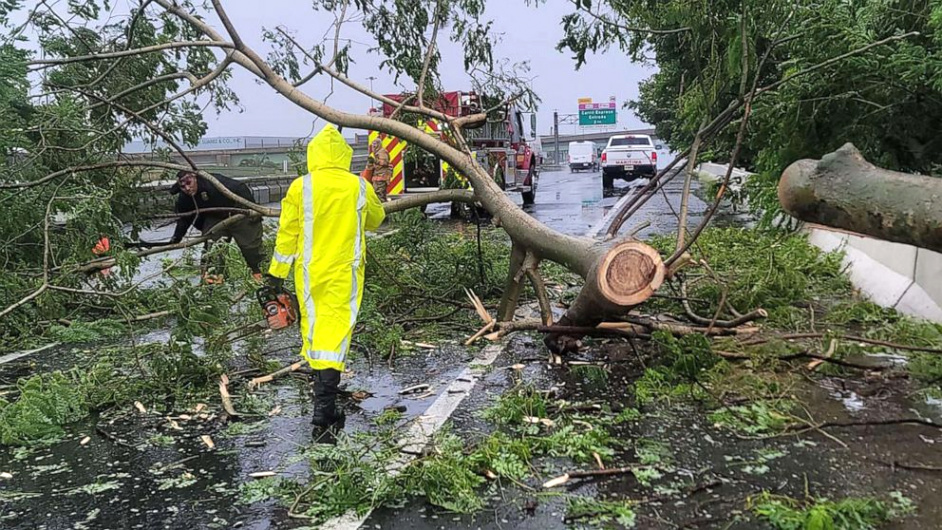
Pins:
x: 748, y: 387
x: 537, y: 439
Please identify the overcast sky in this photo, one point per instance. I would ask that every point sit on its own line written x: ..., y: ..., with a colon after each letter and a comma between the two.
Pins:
x: 528, y: 33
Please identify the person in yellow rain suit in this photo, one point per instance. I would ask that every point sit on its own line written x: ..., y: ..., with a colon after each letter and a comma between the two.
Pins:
x: 324, y: 219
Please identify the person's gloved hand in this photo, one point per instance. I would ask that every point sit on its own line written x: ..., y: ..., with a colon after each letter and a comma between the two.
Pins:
x: 277, y: 284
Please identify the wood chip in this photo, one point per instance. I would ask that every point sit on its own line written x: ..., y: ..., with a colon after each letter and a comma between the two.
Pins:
x: 184, y: 417
x: 140, y: 407
x: 598, y: 460
x: 490, y: 474
x: 226, y: 397
x: 542, y: 421
x: 85, y: 440
x: 360, y: 395
x: 262, y: 474
x: 425, y: 346
x: 813, y: 365
x: 175, y: 426
x: 518, y: 367
x: 275, y: 411
x: 558, y: 481
x: 6, y: 476
x: 425, y: 395
x: 199, y: 407
x: 479, y: 306
x: 208, y: 441
x: 487, y: 327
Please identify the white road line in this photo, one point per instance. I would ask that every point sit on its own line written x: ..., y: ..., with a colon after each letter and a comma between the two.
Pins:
x: 423, y: 427
x: 14, y: 356
x: 607, y: 218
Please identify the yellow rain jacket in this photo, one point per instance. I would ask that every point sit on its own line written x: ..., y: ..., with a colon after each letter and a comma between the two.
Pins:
x: 324, y: 219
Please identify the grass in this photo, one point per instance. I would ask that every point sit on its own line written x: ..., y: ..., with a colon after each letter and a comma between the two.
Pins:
x: 756, y: 418
x: 760, y: 270
x: 785, y: 513
x: 600, y: 513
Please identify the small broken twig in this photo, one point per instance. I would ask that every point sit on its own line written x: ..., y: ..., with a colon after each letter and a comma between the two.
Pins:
x: 254, y: 383
x: 563, y: 479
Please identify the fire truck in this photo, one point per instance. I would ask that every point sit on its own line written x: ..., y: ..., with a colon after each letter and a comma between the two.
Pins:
x: 499, y: 145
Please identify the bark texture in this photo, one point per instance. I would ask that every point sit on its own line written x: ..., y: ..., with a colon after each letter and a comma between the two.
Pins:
x: 843, y: 190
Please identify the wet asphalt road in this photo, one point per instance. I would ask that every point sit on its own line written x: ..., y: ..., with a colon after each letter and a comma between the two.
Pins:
x: 576, y: 204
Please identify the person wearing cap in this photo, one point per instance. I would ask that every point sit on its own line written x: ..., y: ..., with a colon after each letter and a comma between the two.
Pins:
x: 196, y: 195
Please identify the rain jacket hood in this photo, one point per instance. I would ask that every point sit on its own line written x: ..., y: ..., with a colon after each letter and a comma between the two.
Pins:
x: 329, y: 149
x: 322, y: 232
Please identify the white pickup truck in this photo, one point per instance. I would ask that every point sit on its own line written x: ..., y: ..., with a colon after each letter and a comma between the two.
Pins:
x: 628, y: 157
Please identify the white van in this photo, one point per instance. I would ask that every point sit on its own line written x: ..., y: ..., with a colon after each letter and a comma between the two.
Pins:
x: 583, y: 155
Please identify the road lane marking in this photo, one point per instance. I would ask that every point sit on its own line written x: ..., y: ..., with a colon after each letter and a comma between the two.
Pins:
x: 606, y: 220
x: 424, y: 427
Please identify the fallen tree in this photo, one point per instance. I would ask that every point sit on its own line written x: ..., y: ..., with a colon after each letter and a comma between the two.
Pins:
x: 843, y: 190
x: 620, y: 274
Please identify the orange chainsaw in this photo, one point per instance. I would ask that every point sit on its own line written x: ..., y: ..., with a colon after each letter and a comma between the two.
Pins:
x: 280, y: 308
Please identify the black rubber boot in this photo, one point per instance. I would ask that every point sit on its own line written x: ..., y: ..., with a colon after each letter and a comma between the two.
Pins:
x: 327, y: 420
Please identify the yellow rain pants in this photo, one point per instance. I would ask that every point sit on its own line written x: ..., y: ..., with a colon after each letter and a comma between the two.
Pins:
x: 324, y: 219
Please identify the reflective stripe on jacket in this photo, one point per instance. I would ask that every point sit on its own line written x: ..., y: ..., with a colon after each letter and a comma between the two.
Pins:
x: 324, y: 219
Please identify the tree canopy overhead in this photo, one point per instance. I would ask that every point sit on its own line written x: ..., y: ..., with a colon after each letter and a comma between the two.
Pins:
x: 886, y: 99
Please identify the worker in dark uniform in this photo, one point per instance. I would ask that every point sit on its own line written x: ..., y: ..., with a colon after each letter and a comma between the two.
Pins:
x: 196, y: 194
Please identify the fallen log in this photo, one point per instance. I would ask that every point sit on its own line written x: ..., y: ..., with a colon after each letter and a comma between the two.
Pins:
x: 617, y: 278
x: 844, y: 191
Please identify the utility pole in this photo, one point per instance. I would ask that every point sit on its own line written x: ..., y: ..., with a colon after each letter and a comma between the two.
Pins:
x: 556, y: 135
x: 372, y: 102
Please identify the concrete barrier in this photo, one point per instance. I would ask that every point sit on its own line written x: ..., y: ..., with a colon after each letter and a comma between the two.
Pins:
x: 894, y: 275
x: 903, y: 277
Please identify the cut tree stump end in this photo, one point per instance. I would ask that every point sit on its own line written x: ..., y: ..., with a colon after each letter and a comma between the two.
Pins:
x: 630, y: 273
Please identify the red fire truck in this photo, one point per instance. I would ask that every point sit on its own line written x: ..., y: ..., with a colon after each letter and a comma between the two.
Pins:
x: 499, y: 144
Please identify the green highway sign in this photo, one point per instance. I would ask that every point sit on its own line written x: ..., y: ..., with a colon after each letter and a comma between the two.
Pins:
x: 598, y: 117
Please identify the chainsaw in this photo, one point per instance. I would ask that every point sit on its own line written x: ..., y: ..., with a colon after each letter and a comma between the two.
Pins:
x: 279, y: 307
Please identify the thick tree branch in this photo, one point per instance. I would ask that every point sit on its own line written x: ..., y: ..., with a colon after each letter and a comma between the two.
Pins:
x: 459, y: 122
x: 46, y: 63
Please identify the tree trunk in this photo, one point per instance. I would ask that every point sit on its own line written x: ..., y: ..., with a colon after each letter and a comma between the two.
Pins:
x: 843, y: 190
x: 618, y: 277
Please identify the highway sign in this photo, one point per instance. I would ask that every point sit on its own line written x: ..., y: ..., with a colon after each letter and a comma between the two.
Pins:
x: 598, y: 117
x: 597, y: 113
